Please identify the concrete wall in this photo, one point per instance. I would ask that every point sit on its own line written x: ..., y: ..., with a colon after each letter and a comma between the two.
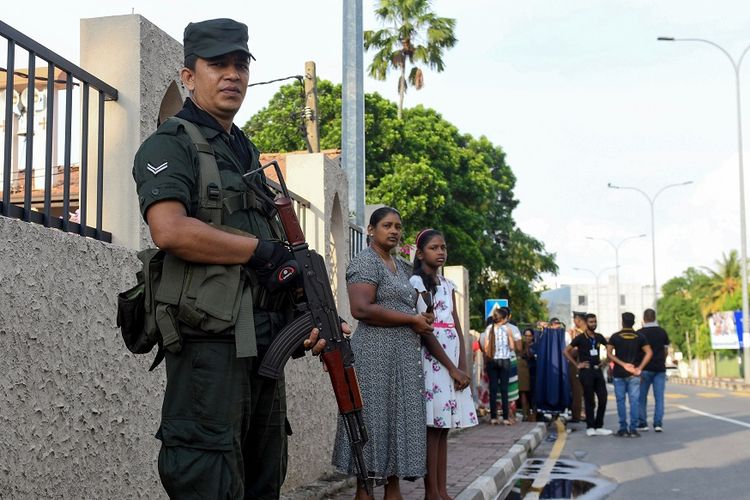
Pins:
x: 78, y: 412
x: 147, y: 61
x: 323, y: 183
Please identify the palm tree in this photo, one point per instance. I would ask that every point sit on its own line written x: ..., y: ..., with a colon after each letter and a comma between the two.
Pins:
x: 724, y: 283
x: 413, y: 34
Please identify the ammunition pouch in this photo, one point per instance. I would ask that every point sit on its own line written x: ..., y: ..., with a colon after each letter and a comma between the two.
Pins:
x: 208, y: 298
x: 136, y: 307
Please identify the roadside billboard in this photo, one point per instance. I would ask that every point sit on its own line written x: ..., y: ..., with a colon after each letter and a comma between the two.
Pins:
x: 724, y: 327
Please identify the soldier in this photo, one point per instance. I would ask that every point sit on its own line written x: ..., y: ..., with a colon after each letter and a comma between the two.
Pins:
x: 223, y: 428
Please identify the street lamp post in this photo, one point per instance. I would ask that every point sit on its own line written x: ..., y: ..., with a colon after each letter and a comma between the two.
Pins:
x: 743, y: 230
x: 616, y: 247
x: 596, y: 277
x: 651, y: 201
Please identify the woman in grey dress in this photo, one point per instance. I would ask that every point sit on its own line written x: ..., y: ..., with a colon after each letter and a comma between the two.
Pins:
x: 388, y: 360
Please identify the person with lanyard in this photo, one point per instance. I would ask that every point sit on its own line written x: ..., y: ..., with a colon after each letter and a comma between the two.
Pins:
x: 590, y: 375
x: 630, y: 352
x: 498, y: 345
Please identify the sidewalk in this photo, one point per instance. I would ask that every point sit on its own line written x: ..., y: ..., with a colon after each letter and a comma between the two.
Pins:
x: 481, y: 460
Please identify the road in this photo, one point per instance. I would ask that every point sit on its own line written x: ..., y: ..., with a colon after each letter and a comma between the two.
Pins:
x: 704, y: 452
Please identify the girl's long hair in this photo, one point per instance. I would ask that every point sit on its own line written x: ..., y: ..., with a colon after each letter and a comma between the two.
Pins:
x: 423, y: 238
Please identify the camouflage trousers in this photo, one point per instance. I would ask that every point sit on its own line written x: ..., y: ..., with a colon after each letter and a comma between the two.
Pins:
x: 223, y: 428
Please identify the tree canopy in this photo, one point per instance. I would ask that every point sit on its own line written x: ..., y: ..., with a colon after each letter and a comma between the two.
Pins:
x: 436, y: 177
x: 688, y: 299
x: 413, y: 35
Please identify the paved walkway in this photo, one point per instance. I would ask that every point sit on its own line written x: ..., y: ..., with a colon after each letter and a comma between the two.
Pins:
x: 471, y: 452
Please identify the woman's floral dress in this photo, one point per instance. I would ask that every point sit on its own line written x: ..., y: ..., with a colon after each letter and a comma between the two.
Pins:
x: 446, y: 407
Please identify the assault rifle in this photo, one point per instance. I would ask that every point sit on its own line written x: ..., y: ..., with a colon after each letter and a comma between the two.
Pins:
x: 315, y: 308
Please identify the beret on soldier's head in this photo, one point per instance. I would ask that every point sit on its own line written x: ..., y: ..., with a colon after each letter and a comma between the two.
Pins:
x: 215, y: 37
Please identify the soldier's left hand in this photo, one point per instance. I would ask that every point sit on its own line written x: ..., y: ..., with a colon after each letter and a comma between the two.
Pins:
x: 313, y: 343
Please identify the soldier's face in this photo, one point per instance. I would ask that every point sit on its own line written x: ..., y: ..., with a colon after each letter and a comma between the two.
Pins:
x: 219, y: 84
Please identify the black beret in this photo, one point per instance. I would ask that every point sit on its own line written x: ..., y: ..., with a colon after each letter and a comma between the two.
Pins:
x: 215, y: 37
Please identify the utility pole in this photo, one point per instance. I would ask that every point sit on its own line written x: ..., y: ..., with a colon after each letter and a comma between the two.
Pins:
x: 736, y: 64
x: 353, y: 109
x: 312, y: 126
x: 690, y: 356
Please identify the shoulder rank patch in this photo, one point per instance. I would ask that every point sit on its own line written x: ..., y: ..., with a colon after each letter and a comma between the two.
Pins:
x: 155, y: 170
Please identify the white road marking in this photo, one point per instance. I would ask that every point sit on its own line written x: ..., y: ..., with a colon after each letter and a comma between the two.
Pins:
x: 717, y: 417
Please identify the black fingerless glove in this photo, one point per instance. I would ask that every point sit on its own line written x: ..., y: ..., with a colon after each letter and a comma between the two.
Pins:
x: 274, y: 265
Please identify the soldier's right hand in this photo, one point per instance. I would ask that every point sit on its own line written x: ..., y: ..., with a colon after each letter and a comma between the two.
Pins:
x: 274, y: 265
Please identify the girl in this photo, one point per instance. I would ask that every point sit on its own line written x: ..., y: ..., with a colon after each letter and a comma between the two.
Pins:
x: 386, y: 347
x: 448, y: 401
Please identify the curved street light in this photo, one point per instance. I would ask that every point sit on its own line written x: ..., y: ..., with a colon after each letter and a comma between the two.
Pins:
x: 616, y: 247
x: 651, y: 201
x: 743, y: 230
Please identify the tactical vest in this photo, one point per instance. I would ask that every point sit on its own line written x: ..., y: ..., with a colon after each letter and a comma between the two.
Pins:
x: 179, y: 296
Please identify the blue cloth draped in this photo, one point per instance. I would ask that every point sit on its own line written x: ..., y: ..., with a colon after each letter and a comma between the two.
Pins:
x: 552, y: 389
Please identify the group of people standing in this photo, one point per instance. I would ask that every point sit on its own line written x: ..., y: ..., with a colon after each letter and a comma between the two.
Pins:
x: 638, y: 361
x: 411, y: 361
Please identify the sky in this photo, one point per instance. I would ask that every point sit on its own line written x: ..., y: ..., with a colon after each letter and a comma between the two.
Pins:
x: 577, y: 93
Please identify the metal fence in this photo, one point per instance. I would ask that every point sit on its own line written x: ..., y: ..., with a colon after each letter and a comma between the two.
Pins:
x: 356, y: 240
x: 31, y: 99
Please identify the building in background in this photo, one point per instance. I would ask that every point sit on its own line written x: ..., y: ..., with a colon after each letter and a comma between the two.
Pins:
x: 600, y: 300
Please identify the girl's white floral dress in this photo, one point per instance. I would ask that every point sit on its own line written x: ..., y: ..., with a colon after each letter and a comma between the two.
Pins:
x: 446, y: 407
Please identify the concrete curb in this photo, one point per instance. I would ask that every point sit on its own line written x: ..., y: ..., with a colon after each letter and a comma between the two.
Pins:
x: 731, y: 384
x: 491, y: 482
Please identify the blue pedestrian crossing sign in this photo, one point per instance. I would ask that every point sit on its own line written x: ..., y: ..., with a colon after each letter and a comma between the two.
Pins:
x: 492, y: 304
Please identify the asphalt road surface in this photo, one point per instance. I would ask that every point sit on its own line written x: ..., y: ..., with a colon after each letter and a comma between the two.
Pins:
x: 703, y: 453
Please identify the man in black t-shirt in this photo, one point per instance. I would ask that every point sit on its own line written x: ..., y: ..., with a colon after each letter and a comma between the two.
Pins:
x: 654, y: 373
x: 590, y: 375
x: 630, y: 352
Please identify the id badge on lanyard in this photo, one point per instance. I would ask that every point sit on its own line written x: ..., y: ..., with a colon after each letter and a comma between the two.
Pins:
x: 594, y: 349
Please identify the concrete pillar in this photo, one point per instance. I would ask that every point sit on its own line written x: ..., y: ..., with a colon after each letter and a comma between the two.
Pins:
x: 460, y: 276
x: 139, y: 60
x: 323, y: 183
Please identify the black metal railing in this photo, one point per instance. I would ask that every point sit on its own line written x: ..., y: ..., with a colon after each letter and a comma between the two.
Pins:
x: 356, y: 240
x: 50, y: 207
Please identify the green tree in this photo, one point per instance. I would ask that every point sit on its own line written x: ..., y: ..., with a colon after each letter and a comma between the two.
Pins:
x: 680, y: 309
x: 723, y: 290
x: 413, y: 35
x: 280, y: 126
x: 436, y: 177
